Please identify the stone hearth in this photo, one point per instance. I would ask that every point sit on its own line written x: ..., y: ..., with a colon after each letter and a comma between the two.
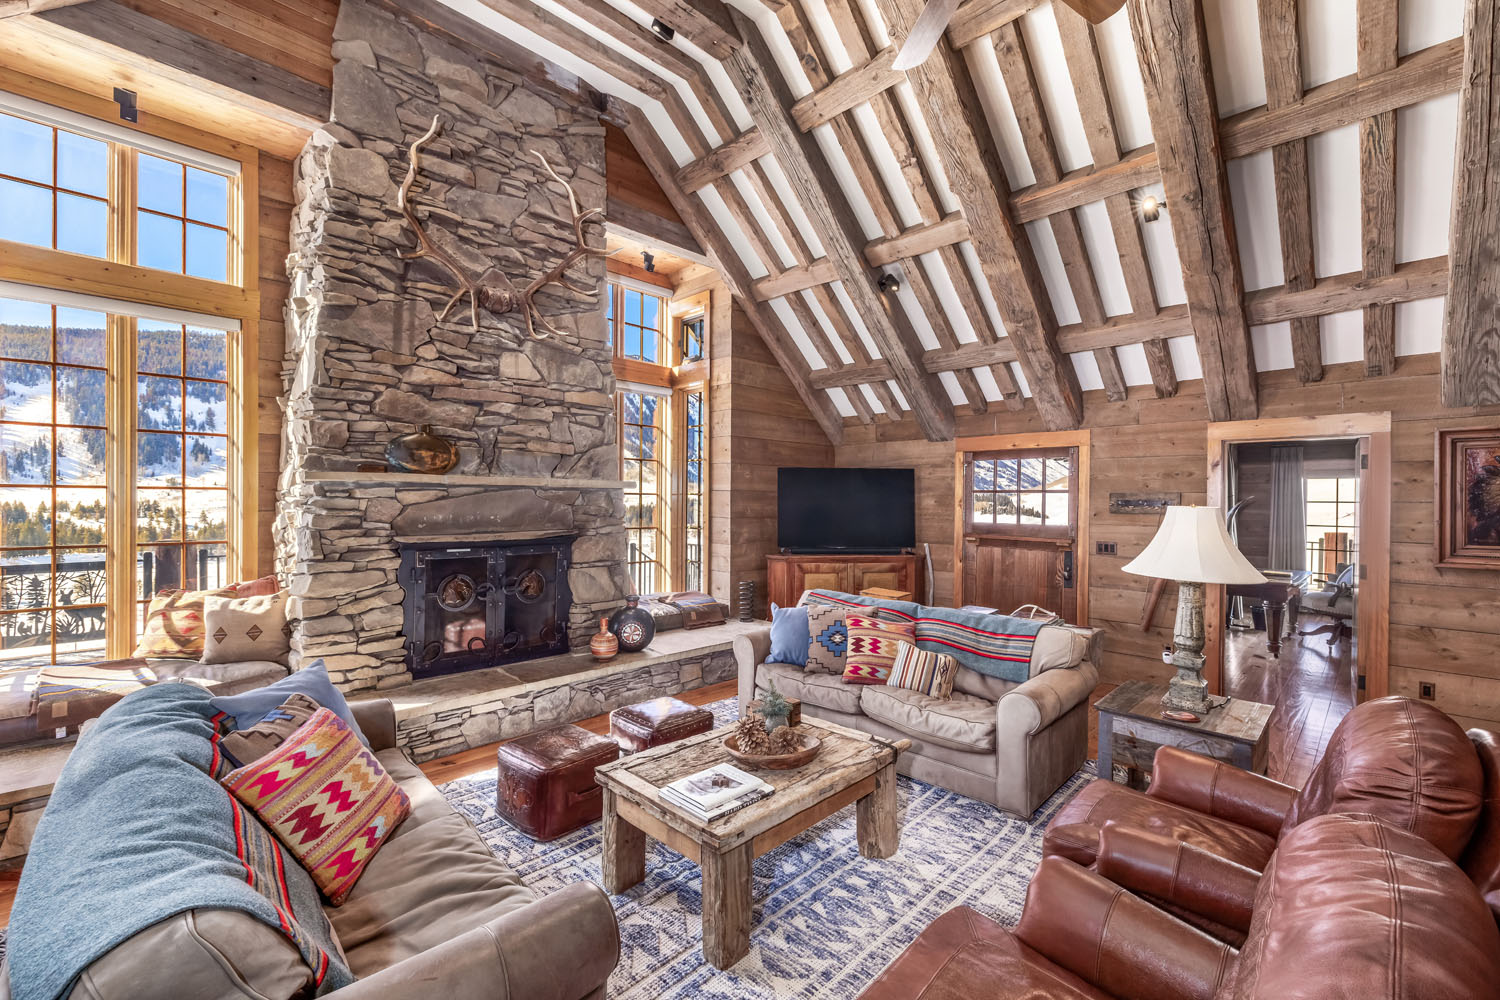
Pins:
x: 369, y: 360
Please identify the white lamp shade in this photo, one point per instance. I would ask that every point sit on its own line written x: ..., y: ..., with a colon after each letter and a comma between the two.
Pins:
x: 1193, y: 546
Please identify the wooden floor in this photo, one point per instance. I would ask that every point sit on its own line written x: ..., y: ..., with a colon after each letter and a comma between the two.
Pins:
x: 1311, y: 685
x: 1310, y: 689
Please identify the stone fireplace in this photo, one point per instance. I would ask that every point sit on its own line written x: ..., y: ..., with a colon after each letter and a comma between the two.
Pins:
x: 369, y: 359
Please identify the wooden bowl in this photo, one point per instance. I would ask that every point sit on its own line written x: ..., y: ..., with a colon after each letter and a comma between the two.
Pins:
x: 775, y: 762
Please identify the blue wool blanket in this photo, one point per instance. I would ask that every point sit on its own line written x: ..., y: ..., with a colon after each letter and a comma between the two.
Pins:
x: 139, y: 829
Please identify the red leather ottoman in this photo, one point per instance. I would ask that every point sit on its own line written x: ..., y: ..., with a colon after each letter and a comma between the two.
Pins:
x: 652, y: 723
x: 545, y: 786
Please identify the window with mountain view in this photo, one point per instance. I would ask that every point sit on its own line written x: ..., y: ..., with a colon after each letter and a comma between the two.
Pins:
x: 115, y: 421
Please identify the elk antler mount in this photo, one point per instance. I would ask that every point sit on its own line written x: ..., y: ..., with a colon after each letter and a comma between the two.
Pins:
x: 506, y: 298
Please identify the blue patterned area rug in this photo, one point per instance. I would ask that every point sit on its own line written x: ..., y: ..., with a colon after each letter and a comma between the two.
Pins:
x: 826, y: 921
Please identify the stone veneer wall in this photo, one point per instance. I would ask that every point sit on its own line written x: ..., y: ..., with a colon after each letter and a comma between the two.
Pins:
x: 438, y: 734
x: 369, y: 360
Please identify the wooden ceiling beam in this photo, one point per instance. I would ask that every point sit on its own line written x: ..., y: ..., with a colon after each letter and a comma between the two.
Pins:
x: 947, y: 100
x: 567, y: 37
x: 975, y: 19
x: 1421, y: 76
x: 752, y: 69
x: 1041, y: 149
x: 727, y: 262
x: 1377, y: 47
x: 813, y: 59
x: 127, y: 37
x: 1081, y: 50
x: 1471, y: 323
x: 708, y: 24
x: 848, y: 90
x: 1172, y: 47
x: 15, y: 8
x: 741, y: 151
x: 1281, y: 55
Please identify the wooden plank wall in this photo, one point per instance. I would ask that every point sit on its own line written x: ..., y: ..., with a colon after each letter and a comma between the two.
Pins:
x: 758, y: 424
x: 1444, y: 623
x: 276, y: 204
x: 628, y: 178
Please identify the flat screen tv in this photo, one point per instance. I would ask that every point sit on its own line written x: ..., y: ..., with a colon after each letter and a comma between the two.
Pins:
x: 846, y: 510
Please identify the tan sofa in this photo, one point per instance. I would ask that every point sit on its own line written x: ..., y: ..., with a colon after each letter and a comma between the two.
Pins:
x: 436, y: 916
x: 1010, y: 744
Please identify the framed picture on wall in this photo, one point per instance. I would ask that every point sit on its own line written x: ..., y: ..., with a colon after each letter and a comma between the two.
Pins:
x: 1467, y: 511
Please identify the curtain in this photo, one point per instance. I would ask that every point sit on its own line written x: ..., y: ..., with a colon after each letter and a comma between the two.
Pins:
x: 1288, y: 509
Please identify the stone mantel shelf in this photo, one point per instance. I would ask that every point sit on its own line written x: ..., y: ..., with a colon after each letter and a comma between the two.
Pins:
x: 418, y: 478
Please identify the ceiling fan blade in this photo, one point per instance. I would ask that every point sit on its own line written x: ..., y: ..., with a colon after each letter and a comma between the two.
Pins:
x: 925, y: 34
x: 1096, y: 11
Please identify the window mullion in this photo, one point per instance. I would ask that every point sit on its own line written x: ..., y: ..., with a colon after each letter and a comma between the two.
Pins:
x: 119, y: 480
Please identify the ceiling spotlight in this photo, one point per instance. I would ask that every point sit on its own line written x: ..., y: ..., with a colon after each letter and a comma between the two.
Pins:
x: 662, y: 30
x: 889, y: 283
x: 1151, y: 207
x: 647, y: 261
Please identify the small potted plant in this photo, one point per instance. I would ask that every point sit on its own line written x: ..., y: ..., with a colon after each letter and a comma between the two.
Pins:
x: 774, y: 708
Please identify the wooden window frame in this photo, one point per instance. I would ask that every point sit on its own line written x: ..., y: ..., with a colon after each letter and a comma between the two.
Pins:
x: 680, y: 379
x: 1067, y: 532
x: 118, y: 277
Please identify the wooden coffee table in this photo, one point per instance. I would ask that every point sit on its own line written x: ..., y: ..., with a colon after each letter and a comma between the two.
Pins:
x: 851, y: 768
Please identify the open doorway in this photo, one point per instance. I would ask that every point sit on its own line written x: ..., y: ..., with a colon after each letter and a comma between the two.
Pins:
x: 1308, y: 504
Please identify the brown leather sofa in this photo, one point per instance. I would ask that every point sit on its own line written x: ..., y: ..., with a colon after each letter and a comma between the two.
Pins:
x: 1349, y: 906
x: 1401, y: 760
x: 435, y: 916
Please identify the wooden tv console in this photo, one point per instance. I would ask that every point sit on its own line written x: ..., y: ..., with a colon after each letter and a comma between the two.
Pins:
x: 788, y: 576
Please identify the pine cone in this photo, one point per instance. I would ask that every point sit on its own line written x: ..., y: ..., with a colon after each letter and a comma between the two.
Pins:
x: 785, y: 740
x: 750, y: 733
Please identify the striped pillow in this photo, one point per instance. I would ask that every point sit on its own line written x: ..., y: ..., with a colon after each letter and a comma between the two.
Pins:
x: 924, y: 672
x: 872, y: 648
x: 325, y: 796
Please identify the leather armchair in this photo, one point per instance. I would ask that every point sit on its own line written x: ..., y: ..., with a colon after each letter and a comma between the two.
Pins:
x: 1400, y: 760
x: 1349, y: 907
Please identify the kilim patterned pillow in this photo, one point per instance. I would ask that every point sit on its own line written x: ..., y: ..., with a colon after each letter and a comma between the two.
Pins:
x: 919, y: 670
x: 243, y: 746
x: 245, y: 628
x: 174, y: 624
x: 872, y: 648
x: 326, y: 797
x: 829, y: 639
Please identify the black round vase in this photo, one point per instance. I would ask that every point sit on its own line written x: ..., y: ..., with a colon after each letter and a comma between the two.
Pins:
x: 633, y: 625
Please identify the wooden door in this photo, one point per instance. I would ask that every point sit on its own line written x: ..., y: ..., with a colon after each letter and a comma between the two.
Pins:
x: 1021, y: 530
x: 892, y: 574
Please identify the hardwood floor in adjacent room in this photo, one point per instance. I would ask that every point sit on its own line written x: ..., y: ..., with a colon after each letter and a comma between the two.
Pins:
x: 1311, y: 685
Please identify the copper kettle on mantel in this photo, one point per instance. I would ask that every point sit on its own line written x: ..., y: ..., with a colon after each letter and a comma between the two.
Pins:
x: 422, y: 452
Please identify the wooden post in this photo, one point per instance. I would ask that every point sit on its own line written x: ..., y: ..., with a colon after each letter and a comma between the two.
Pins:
x: 1471, y: 331
x: 623, y: 859
x: 876, y: 822
x: 1172, y: 47
x: 726, y: 905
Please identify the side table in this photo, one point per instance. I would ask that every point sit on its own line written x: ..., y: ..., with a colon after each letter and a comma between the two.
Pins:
x: 1131, y: 728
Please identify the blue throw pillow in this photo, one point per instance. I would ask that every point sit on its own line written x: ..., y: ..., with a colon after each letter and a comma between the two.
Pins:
x: 789, y: 636
x: 252, y: 706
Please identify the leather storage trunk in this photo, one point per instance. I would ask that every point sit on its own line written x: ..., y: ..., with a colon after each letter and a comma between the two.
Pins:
x: 653, y: 723
x: 545, y: 786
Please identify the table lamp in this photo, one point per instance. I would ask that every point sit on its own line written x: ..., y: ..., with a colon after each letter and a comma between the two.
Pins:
x: 1193, y: 547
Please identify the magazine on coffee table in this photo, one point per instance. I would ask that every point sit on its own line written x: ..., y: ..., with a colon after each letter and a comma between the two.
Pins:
x: 716, y: 791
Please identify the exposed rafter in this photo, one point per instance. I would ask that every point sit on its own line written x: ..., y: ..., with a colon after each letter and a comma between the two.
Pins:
x: 848, y: 90
x: 977, y: 18
x: 753, y: 71
x: 970, y: 162
x: 1173, y: 50
x: 708, y: 24
x: 1281, y: 53
x: 1377, y: 33
x: 1471, y: 328
x: 732, y: 270
x: 1081, y: 49
x: 724, y: 160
